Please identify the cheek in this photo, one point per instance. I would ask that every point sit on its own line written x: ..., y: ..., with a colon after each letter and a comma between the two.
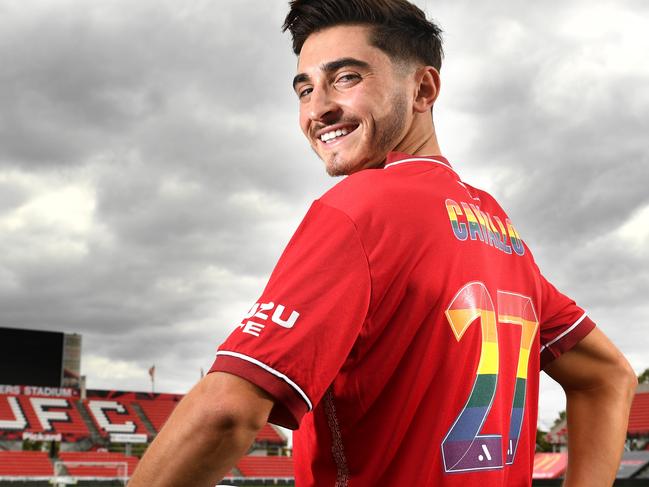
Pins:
x: 365, y: 107
x: 304, y: 121
x: 304, y: 127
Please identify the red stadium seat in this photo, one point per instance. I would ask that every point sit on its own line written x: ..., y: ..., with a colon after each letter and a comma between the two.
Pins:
x: 639, y: 417
x: 25, y: 464
x: 266, y: 467
x: 268, y: 434
x: 549, y: 465
x: 157, y: 410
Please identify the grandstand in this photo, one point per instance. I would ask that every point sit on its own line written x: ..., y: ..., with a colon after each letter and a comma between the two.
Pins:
x: 639, y: 418
x: 87, y: 432
x: 93, y: 437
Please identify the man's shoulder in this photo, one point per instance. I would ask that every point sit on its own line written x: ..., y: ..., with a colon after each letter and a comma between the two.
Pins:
x: 487, y: 200
x: 391, y: 192
x: 357, y: 191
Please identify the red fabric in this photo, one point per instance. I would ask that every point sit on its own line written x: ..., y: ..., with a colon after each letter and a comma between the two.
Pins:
x: 289, y: 405
x: 376, y: 271
x: 556, y: 338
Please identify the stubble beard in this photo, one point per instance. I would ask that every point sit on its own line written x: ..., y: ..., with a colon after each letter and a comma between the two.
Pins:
x: 384, y: 139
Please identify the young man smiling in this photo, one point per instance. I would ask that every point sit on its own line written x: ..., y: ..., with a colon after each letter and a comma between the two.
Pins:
x: 379, y: 104
x: 404, y: 326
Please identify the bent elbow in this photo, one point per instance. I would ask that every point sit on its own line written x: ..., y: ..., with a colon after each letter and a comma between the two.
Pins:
x: 626, y: 378
x: 228, y: 420
x: 633, y: 383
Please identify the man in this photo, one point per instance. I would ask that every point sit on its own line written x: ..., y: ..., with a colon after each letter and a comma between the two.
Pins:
x: 404, y: 326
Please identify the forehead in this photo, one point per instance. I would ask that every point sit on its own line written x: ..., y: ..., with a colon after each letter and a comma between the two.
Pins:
x: 341, y: 41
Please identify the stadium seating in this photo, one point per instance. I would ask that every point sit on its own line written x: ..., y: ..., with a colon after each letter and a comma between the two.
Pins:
x: 549, y: 465
x: 25, y: 463
x: 268, y: 434
x: 639, y: 418
x: 46, y: 415
x: 68, y: 459
x: 114, y: 416
x: 262, y: 466
x: 157, y: 410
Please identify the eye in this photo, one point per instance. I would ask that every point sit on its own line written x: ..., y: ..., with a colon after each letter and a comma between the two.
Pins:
x: 348, y: 78
x: 304, y: 91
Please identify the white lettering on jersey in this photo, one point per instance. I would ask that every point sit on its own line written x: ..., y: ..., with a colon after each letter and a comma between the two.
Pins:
x: 253, y: 328
x: 251, y: 312
x: 258, y: 311
x: 264, y: 307
x: 277, y: 317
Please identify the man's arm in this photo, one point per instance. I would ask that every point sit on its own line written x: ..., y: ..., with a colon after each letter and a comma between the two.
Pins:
x: 211, y: 428
x: 599, y: 385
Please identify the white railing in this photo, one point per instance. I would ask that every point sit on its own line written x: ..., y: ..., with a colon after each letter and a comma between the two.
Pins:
x: 62, y: 479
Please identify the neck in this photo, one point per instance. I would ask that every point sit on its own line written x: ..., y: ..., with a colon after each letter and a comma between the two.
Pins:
x: 421, y: 139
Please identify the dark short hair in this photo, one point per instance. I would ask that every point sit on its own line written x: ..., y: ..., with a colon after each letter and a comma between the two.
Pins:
x: 399, y: 28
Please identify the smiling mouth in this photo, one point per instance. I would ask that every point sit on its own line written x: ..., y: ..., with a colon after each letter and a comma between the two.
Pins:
x: 336, y: 134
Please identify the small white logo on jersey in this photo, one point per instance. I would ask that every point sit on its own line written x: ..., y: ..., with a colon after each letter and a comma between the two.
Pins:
x: 260, y: 312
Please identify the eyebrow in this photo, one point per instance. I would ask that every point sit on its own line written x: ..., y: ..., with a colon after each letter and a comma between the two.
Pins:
x: 331, y: 67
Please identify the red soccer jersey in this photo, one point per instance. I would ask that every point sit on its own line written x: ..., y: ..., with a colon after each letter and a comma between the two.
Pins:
x: 408, y: 318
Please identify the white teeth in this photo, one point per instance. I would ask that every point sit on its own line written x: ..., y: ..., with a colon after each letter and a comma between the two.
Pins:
x: 333, y: 134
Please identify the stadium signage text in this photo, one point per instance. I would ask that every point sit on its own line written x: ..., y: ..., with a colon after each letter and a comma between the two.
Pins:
x: 126, y: 438
x: 38, y: 391
x: 50, y: 413
x: 27, y: 435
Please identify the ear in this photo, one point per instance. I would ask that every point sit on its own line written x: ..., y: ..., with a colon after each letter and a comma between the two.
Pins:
x: 428, y: 83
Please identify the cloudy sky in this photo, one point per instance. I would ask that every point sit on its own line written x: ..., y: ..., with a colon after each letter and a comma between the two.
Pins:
x: 152, y: 169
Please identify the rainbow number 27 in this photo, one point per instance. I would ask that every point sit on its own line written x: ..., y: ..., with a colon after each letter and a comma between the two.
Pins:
x: 465, y: 448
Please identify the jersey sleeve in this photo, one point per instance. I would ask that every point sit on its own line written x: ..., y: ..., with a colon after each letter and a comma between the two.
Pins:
x: 563, y: 323
x: 295, y: 339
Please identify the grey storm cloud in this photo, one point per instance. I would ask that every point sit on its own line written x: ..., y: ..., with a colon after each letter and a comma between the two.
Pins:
x: 152, y: 167
x: 154, y: 107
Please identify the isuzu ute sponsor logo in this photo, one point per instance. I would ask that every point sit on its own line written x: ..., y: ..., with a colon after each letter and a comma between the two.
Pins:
x: 253, y: 322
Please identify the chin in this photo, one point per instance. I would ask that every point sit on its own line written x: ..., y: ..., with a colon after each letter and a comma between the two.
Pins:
x: 335, y: 170
x: 336, y: 165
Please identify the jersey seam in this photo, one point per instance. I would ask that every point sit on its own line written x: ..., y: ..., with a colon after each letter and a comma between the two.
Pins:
x: 337, y: 445
x: 360, y: 242
x: 369, y: 273
x: 271, y: 371
x: 425, y: 160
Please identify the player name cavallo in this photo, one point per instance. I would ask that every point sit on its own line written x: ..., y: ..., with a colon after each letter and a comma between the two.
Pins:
x: 469, y: 221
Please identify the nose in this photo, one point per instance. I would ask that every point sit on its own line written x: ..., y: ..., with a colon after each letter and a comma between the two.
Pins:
x: 322, y: 107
